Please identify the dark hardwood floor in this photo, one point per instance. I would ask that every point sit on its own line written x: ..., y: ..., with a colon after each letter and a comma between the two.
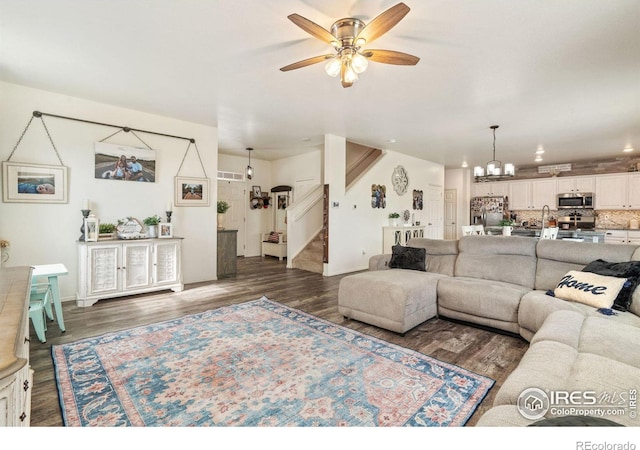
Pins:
x: 482, y: 351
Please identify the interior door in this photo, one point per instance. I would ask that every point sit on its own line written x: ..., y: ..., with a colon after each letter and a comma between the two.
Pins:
x: 233, y: 193
x: 450, y: 214
x: 435, y: 214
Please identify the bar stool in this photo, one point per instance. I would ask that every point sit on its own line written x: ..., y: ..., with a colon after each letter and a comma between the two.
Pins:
x: 40, y: 309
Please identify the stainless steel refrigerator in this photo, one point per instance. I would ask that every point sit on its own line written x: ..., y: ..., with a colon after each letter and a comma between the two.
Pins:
x: 489, y: 211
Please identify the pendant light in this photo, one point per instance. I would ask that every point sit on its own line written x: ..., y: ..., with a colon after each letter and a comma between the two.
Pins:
x: 494, y: 168
x: 249, y: 168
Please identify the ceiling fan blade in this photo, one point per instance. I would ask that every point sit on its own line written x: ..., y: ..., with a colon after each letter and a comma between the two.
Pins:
x: 306, y: 62
x: 391, y: 57
x: 384, y: 22
x: 312, y: 28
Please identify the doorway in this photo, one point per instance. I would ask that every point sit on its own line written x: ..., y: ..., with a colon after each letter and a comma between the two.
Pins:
x: 450, y: 214
x: 233, y: 192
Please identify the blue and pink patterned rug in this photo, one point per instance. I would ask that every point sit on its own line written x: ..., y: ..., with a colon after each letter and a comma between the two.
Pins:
x: 258, y: 363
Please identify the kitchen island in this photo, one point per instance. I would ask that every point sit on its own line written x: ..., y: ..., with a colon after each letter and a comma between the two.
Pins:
x: 574, y: 234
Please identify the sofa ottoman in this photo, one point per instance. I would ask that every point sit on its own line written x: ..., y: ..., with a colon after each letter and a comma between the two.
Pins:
x: 393, y: 299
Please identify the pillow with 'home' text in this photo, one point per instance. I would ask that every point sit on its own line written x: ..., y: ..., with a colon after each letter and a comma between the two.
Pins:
x: 412, y: 258
x: 589, y: 288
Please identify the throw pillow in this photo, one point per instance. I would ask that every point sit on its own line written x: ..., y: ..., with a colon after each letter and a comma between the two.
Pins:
x: 629, y: 270
x: 408, y: 258
x: 591, y: 289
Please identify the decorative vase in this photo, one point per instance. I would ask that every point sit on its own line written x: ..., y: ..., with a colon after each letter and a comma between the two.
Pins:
x: 220, y: 221
x: 152, y: 231
x: 506, y: 231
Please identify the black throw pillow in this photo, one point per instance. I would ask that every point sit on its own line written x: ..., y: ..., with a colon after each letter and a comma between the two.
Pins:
x: 628, y: 269
x: 412, y: 258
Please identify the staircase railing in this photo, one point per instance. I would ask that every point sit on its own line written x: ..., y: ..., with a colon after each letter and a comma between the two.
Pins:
x: 304, y: 222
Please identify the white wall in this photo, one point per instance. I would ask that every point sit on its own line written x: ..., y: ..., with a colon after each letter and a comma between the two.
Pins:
x: 47, y: 233
x: 305, y: 169
x: 355, y: 228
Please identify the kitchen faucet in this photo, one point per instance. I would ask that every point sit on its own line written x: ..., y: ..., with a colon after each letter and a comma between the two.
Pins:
x: 542, y: 225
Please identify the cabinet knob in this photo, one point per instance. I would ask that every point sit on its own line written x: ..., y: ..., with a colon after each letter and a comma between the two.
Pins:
x: 23, y: 416
x: 26, y: 339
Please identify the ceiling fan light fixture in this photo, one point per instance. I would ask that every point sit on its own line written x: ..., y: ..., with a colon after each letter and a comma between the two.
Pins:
x: 359, y: 63
x: 350, y: 75
x: 333, y: 67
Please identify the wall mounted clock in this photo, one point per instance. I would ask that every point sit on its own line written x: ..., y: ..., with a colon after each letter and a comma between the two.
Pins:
x: 400, y: 180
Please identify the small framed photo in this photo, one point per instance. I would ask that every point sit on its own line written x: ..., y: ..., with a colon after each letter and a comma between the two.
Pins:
x: 91, y: 228
x: 165, y: 230
x: 191, y: 191
x: 256, y: 192
x: 33, y: 183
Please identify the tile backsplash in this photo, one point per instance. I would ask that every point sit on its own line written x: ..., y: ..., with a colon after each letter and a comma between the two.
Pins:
x: 604, y: 218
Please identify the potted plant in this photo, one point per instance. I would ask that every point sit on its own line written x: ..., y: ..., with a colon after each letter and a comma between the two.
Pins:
x: 507, y: 226
x: 106, y: 230
x: 151, y: 223
x: 393, y: 219
x: 223, y: 207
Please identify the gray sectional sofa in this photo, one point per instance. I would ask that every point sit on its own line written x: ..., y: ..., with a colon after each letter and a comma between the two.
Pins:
x: 503, y: 282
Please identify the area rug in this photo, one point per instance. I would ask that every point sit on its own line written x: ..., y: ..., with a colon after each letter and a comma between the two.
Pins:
x: 258, y: 363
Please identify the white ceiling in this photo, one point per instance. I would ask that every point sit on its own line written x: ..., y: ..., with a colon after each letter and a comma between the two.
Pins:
x: 562, y: 74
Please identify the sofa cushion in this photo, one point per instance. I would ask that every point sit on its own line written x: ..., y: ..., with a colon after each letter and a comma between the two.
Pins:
x: 407, y: 258
x: 589, y: 288
x: 557, y: 257
x: 481, y: 298
x: 536, y: 306
x: 510, y: 259
x: 629, y: 270
x: 440, y: 254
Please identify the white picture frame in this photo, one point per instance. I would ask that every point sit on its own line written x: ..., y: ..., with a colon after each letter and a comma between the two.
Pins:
x: 165, y: 230
x: 190, y: 191
x: 33, y: 183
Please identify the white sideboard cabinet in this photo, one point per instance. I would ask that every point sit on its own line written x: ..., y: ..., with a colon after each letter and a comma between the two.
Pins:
x: 117, y: 268
x: 399, y: 236
x: 16, y: 376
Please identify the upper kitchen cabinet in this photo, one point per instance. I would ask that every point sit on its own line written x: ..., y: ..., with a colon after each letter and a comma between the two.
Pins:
x: 618, y: 191
x: 532, y: 194
x: 490, y: 189
x: 576, y: 184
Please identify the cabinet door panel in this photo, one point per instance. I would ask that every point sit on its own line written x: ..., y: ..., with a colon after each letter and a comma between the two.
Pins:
x: 633, y: 197
x: 543, y: 192
x: 136, y: 266
x: 166, y: 263
x: 520, y: 195
x: 611, y: 191
x: 104, y: 269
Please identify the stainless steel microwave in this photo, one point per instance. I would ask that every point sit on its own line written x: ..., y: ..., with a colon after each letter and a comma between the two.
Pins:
x: 576, y: 200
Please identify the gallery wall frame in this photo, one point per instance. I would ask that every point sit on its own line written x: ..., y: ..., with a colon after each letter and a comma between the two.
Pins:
x: 191, y: 191
x: 33, y: 183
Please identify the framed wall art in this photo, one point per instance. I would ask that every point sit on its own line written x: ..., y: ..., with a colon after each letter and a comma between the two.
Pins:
x: 417, y: 199
x: 191, y: 191
x: 378, y: 196
x: 33, y: 183
x: 165, y: 230
x: 124, y: 163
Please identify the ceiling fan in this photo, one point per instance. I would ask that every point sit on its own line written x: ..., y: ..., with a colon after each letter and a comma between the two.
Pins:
x: 348, y: 37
